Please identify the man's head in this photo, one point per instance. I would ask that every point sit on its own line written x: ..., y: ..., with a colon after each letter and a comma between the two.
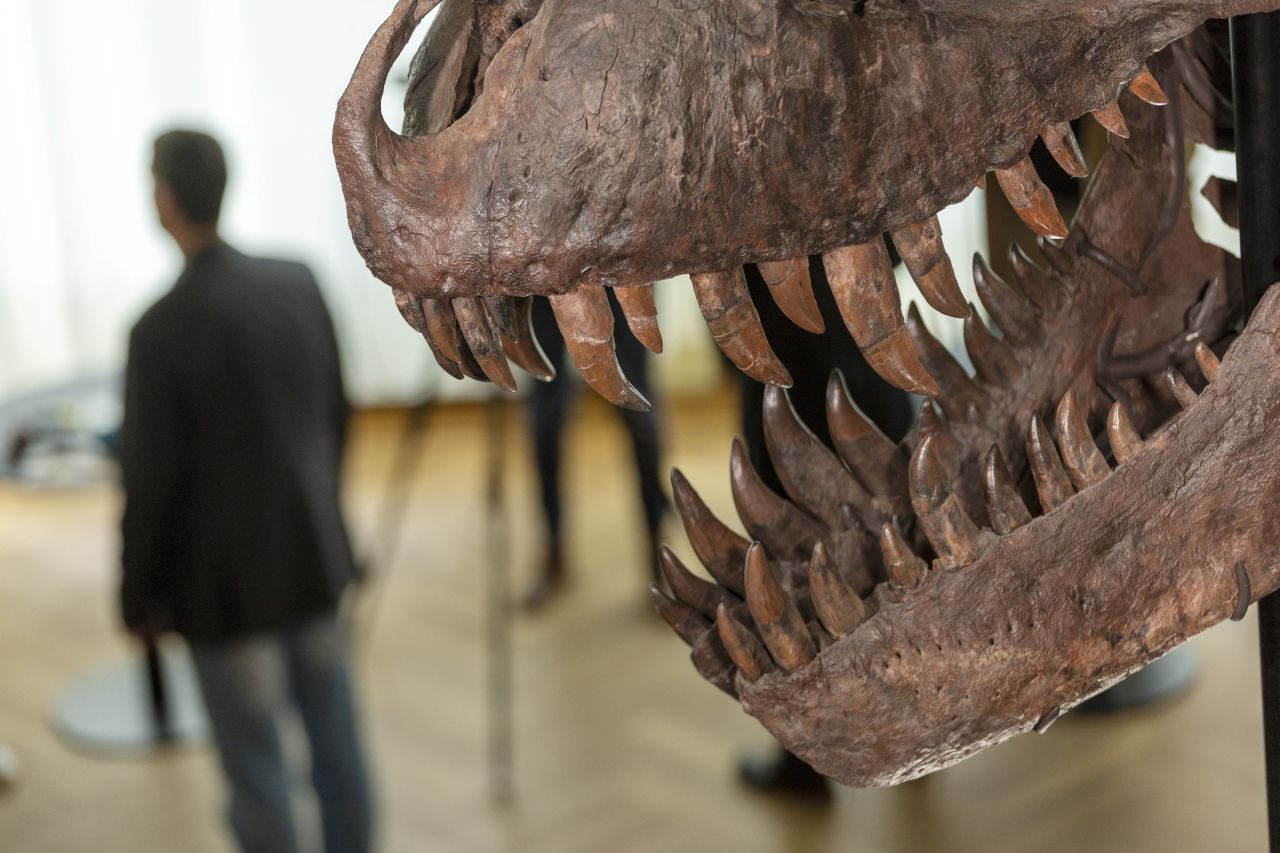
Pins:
x: 190, y: 174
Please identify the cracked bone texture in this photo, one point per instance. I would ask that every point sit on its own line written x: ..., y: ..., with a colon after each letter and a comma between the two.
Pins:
x: 620, y: 144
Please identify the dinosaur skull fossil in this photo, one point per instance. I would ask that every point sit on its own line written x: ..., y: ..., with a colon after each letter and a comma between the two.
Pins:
x: 900, y: 607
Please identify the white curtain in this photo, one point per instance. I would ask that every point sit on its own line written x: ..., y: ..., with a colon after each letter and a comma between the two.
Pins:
x: 87, y: 85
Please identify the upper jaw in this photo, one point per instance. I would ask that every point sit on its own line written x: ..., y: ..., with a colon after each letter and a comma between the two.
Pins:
x: 623, y: 147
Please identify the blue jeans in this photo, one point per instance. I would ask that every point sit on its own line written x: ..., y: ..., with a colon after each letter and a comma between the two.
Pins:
x: 249, y: 685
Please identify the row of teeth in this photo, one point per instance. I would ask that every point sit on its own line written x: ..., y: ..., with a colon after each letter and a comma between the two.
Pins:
x: 783, y: 597
x: 477, y: 337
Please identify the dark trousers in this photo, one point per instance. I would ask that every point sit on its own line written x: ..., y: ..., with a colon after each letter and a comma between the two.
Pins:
x: 551, y: 402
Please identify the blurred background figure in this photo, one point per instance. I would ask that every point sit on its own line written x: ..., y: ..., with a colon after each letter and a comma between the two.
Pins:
x: 231, y: 449
x: 549, y: 408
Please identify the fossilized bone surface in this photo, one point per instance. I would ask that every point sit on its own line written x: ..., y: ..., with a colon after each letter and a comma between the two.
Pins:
x: 890, y: 618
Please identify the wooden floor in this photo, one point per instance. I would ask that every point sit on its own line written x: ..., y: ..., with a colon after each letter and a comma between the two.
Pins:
x: 619, y: 746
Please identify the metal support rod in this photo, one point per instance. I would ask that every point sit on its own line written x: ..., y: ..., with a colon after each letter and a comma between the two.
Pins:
x: 1255, y: 40
x: 497, y: 558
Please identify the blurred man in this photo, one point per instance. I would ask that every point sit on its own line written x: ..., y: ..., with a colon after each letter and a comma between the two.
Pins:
x: 231, y: 451
x: 549, y: 404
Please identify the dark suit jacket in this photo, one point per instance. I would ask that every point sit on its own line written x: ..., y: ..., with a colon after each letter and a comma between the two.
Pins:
x: 231, y: 451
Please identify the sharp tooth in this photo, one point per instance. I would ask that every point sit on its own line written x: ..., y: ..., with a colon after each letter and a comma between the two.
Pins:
x: 1209, y: 363
x: 442, y: 325
x: 959, y: 393
x: 793, y: 291
x: 1062, y: 144
x: 1005, y: 506
x: 875, y: 460
x: 1148, y: 89
x: 1244, y: 592
x: 1112, y: 119
x: 861, y: 279
x: 839, y: 607
x: 785, y: 530
x: 780, y: 623
x: 503, y: 316
x: 1085, y: 463
x: 930, y: 423
x: 926, y: 258
x: 734, y: 323
x: 1035, y: 283
x: 1062, y: 261
x: 745, y: 649
x: 524, y: 349
x: 811, y: 474
x: 483, y: 341
x: 411, y: 310
x: 1031, y: 199
x: 991, y: 358
x: 586, y: 321
x: 944, y: 521
x: 981, y: 183
x: 1181, y: 390
x: 1015, y: 316
x: 718, y: 548
x: 1052, y: 484
x: 641, y: 311
x: 712, y: 662
x: 688, y: 588
x: 684, y: 620
x: 901, y: 564
x: 1125, y: 441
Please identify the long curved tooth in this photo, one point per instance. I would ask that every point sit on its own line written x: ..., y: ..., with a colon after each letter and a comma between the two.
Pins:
x: 931, y: 424
x: 991, y: 357
x: 811, y: 474
x: 1031, y: 199
x: 1112, y: 119
x: 876, y: 461
x: 688, y: 623
x: 745, y: 649
x: 718, y: 548
x: 1085, y: 463
x: 950, y: 530
x: 839, y: 607
x: 1064, y: 262
x: 1005, y: 506
x: 524, y: 349
x: 1208, y: 361
x: 1035, y: 282
x: 862, y: 282
x: 442, y: 325
x: 711, y: 660
x: 792, y: 289
x: 1148, y: 89
x: 411, y: 310
x: 1013, y: 313
x: 1125, y: 441
x: 690, y: 589
x: 1181, y: 390
x: 781, y: 625
x: 904, y: 568
x: 641, y: 311
x: 779, y: 524
x: 483, y: 341
x: 958, y: 392
x: 1052, y: 484
x: 733, y: 321
x: 586, y: 321
x: 503, y: 316
x: 1062, y: 144
x: 926, y: 258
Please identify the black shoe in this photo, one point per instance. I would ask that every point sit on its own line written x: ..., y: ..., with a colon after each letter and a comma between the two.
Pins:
x: 551, y: 581
x: 783, y: 773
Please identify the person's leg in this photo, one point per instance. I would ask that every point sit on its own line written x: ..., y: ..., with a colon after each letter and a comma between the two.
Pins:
x: 244, y: 687
x: 320, y: 681
x: 645, y: 431
x: 548, y: 408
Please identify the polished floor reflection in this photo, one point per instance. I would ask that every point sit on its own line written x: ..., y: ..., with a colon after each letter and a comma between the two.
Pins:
x: 618, y: 745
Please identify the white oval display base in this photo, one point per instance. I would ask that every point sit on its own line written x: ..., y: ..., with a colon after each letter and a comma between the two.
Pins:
x: 110, y: 711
